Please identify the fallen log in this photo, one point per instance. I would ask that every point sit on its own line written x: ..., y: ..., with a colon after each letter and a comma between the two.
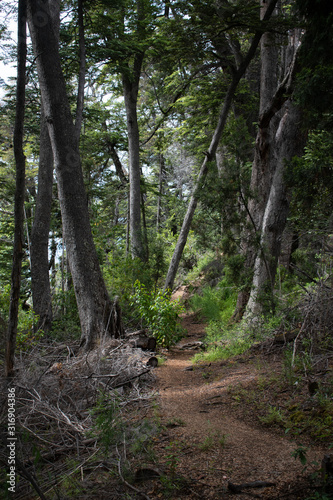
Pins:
x: 153, y: 362
x: 141, y: 339
x: 237, y: 488
x: 197, y: 344
x: 137, y: 333
x: 130, y: 379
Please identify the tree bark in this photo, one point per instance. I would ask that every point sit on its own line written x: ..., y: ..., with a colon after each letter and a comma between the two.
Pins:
x: 130, y: 80
x: 19, y: 190
x: 287, y: 144
x: 160, y: 191
x: 95, y: 309
x: 265, y: 172
x: 122, y: 174
x: 131, y: 89
x: 210, y: 155
x: 261, y: 171
x: 40, y: 281
x: 260, y: 174
x: 82, y: 72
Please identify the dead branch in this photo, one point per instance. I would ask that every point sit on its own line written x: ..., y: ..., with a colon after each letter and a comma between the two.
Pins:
x: 93, y: 375
x: 26, y: 474
x: 70, y: 473
x: 130, y: 380
x: 296, y: 339
x: 137, y: 333
x: 60, y: 451
x: 237, y: 488
x: 53, y: 406
x: 126, y: 483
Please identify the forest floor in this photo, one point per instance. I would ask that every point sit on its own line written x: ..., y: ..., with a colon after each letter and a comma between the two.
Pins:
x: 212, y: 441
x: 202, y: 430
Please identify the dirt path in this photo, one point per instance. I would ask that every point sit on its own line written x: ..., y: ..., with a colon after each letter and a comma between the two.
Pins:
x: 206, y: 444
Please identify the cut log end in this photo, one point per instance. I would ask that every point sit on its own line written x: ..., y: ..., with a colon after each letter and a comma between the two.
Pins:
x: 152, y: 362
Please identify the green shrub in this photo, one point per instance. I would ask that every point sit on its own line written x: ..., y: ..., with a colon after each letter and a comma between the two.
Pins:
x: 161, y: 247
x: 26, y: 335
x: 223, y: 339
x: 27, y: 319
x: 236, y: 272
x: 4, y: 301
x: 119, y: 274
x: 108, y: 424
x: 194, y: 263
x: 159, y: 313
x: 215, y: 304
x: 66, y: 321
x: 224, y: 343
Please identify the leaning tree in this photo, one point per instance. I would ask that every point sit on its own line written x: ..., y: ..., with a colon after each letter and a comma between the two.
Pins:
x: 98, y: 315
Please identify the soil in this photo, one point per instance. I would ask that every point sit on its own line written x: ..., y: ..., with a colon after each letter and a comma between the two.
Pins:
x: 211, y: 442
x: 203, y: 439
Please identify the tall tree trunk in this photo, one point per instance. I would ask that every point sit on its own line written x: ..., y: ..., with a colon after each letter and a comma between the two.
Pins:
x: 128, y: 225
x: 210, y: 155
x: 40, y: 281
x: 267, y: 185
x: 82, y: 72
x: 262, y: 171
x: 144, y: 225
x: 272, y: 99
x: 287, y: 145
x: 130, y: 80
x: 97, y: 313
x: 120, y: 170
x: 261, y: 174
x: 19, y: 190
x: 160, y: 191
x: 131, y: 89
x: 287, y: 142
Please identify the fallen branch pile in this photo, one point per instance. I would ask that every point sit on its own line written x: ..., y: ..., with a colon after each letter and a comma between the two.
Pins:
x: 56, y: 393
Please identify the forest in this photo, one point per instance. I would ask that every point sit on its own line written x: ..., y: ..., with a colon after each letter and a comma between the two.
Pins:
x: 149, y: 147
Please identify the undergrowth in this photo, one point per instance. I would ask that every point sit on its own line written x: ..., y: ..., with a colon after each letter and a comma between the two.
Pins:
x: 215, y: 304
x: 287, y: 401
x: 159, y: 313
x: 224, y: 338
x: 297, y: 399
